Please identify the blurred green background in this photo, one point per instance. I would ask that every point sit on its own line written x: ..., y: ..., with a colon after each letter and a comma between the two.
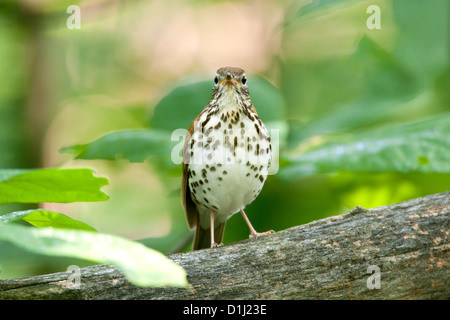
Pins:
x: 317, y: 74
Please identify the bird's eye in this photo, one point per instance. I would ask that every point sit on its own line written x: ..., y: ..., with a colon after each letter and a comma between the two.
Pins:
x: 216, y: 80
x: 244, y: 80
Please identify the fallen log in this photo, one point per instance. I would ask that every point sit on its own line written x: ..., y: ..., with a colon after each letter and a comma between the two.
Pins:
x: 399, y: 251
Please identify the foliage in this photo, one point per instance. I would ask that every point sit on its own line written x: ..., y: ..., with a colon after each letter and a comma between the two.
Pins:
x: 135, y: 145
x: 141, y: 265
x: 57, y: 234
x: 50, y: 185
x: 379, y: 150
x: 45, y: 218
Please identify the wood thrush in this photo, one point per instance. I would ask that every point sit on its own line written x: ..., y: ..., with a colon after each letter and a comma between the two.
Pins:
x: 226, y: 158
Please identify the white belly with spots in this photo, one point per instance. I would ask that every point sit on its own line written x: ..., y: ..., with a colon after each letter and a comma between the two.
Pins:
x: 230, y: 158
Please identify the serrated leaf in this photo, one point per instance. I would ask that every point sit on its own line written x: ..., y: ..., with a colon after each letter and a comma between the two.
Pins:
x: 142, y: 266
x: 50, y: 185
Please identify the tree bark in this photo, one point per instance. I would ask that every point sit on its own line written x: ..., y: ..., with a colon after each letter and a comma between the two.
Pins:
x: 399, y: 251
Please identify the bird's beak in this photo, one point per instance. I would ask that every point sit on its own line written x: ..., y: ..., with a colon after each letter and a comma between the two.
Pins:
x: 229, y: 80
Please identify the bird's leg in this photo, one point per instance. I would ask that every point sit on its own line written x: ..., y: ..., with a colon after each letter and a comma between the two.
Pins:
x: 253, y: 233
x: 213, y: 244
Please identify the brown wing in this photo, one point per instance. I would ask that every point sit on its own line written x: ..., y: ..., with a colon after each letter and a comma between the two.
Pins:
x: 189, y: 206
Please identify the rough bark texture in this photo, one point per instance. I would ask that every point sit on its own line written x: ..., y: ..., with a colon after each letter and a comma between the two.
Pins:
x: 325, y: 259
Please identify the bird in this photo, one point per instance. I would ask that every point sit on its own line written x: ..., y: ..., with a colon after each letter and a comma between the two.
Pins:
x: 226, y: 159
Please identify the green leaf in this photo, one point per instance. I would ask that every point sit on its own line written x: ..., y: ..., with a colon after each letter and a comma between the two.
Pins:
x: 45, y: 218
x: 181, y: 105
x: 50, y: 185
x: 418, y: 147
x: 141, y: 265
x: 135, y: 145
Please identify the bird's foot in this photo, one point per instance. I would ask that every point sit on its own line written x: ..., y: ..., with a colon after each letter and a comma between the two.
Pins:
x: 260, y: 234
x: 215, y: 245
